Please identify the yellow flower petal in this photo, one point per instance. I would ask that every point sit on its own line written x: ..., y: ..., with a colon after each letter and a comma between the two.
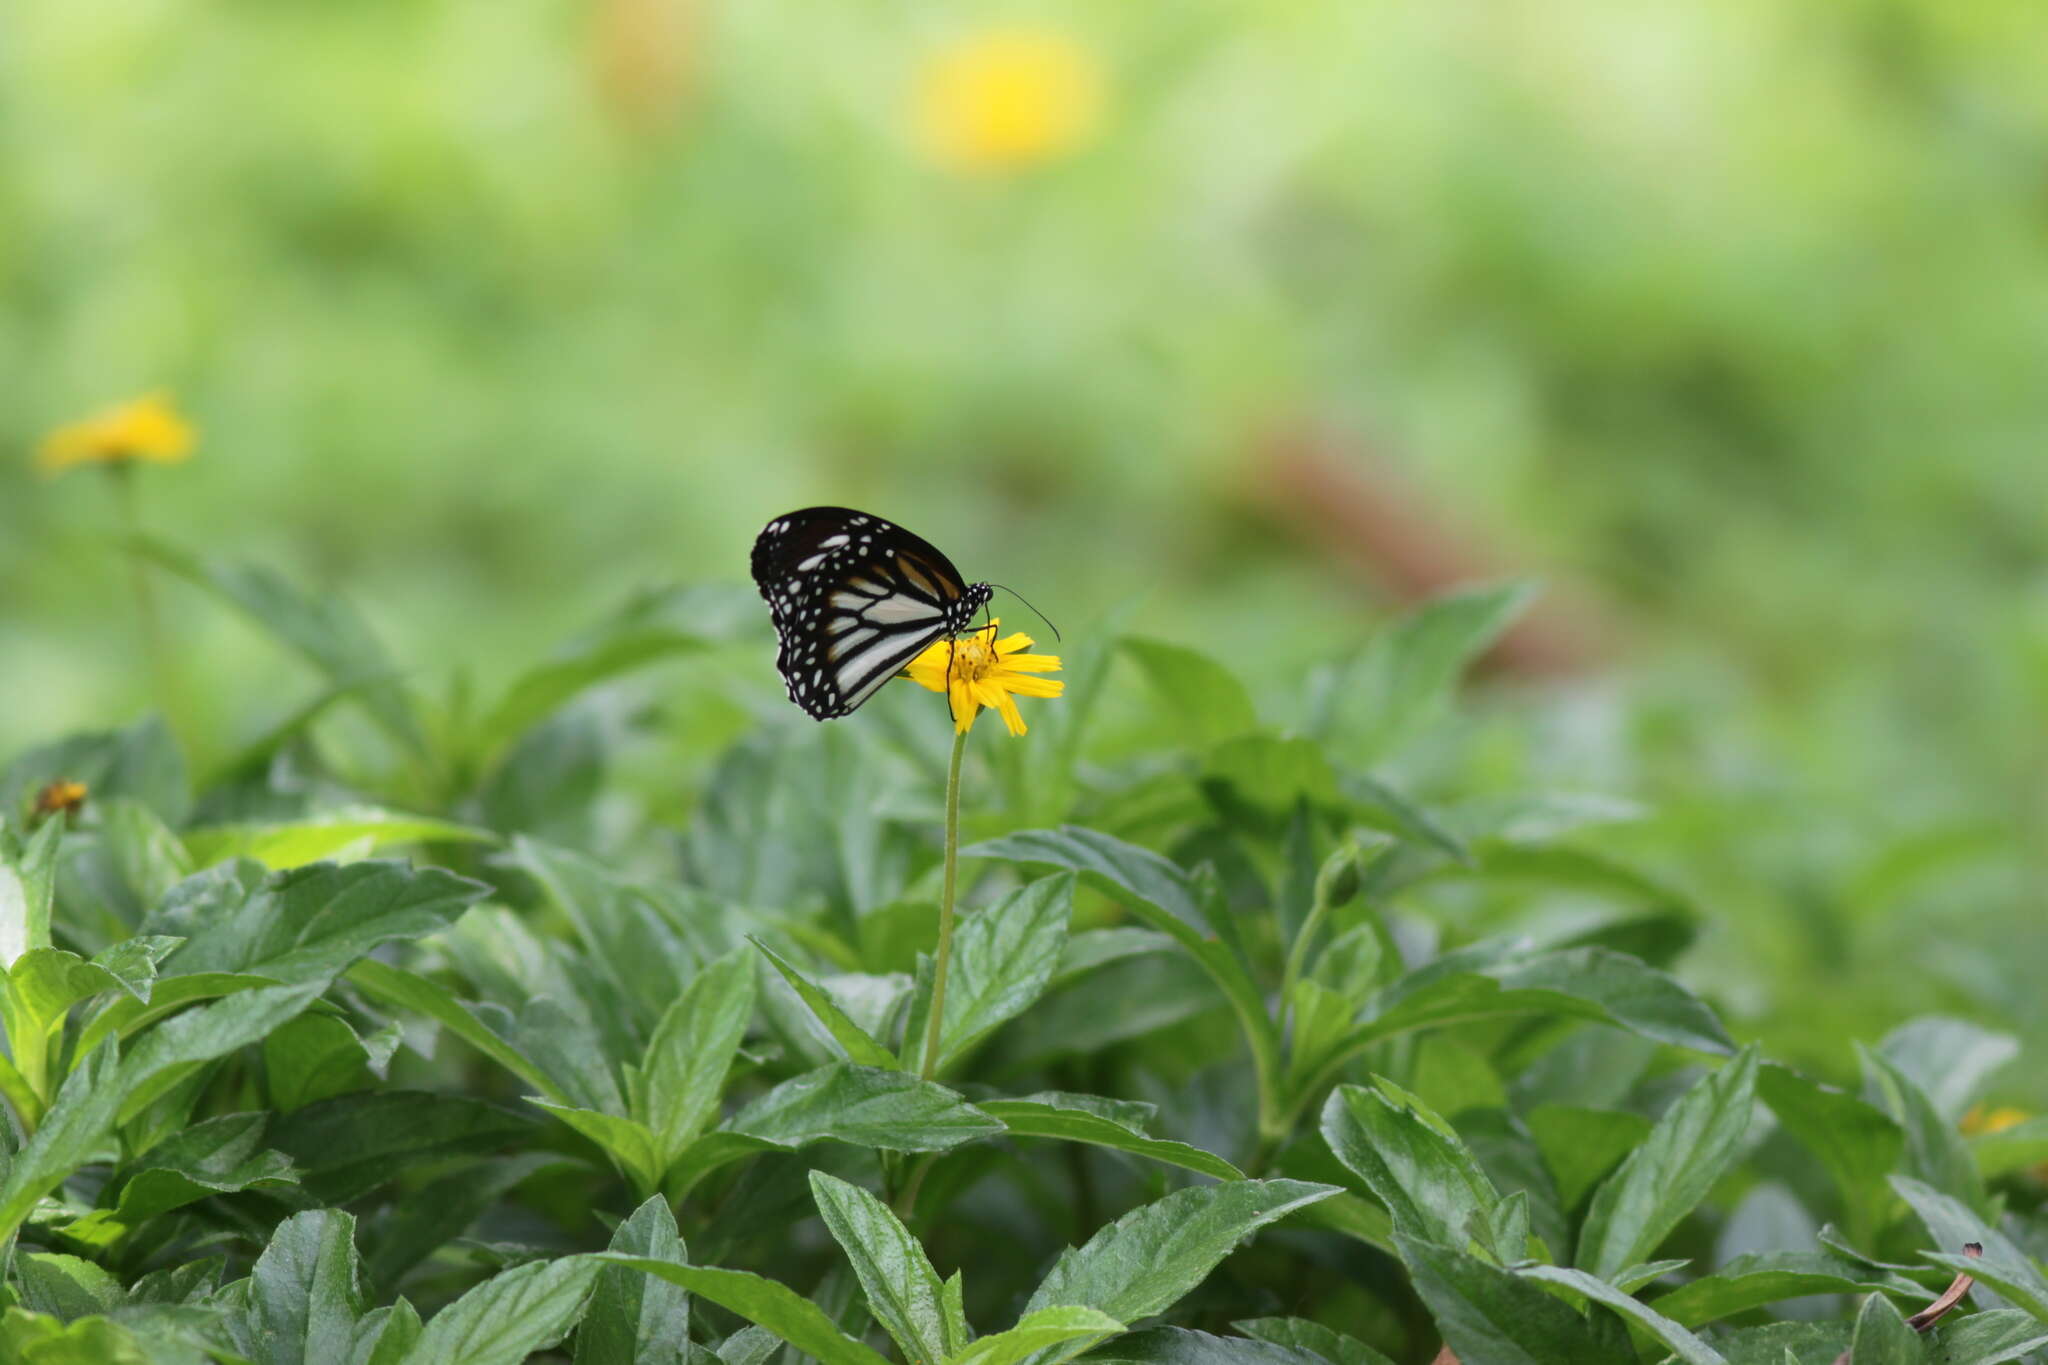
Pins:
x: 975, y: 672
x: 1007, y: 98
x: 146, y: 429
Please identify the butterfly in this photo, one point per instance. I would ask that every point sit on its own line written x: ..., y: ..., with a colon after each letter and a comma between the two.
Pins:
x: 854, y: 599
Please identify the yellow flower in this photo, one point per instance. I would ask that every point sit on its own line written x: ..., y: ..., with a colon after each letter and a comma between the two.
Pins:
x: 984, y: 671
x: 146, y: 428
x: 1007, y: 98
x: 1978, y: 1121
x: 62, y: 797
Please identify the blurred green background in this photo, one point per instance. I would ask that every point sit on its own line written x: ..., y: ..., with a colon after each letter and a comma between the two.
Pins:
x: 1726, y: 319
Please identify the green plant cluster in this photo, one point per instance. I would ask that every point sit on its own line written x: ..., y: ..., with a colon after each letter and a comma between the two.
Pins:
x: 615, y: 1071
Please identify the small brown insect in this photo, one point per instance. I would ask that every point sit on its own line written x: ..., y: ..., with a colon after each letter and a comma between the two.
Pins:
x: 62, y: 797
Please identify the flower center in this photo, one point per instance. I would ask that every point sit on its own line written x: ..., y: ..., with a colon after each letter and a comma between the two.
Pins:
x: 974, y: 656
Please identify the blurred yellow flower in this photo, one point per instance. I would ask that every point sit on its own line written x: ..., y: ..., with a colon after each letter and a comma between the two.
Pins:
x: 62, y: 797
x: 984, y: 671
x: 146, y: 428
x: 1980, y: 1120
x: 1004, y: 99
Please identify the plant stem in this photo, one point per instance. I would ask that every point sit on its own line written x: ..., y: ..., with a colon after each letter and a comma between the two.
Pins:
x: 154, y: 650
x: 943, y: 958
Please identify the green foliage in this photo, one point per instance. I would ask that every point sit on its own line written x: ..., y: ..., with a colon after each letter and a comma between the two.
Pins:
x: 1273, y: 1032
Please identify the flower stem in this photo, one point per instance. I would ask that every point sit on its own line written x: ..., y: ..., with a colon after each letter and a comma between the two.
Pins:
x: 943, y: 957
x: 154, y: 650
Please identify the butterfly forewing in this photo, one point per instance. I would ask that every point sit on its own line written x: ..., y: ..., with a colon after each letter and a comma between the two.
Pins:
x: 854, y: 598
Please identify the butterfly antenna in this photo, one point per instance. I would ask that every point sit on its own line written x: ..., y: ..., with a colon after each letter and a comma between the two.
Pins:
x: 1034, y: 610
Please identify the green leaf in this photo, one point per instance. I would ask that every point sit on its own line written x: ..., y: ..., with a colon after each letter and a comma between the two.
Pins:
x: 858, y: 1045
x: 1988, y: 1338
x: 1401, y: 677
x: 1580, y: 1146
x: 1003, y: 957
x: 1180, y: 1346
x: 387, y: 1336
x: 1324, y: 1343
x: 350, y: 1145
x: 544, y: 688
x: 220, y: 1155
x: 683, y: 1075
x: 1748, y: 1282
x: 1883, y: 1338
x: 352, y: 832
x: 1949, y: 1059
x: 1951, y: 1224
x: 66, y: 1287
x: 768, y: 1303
x: 1166, y: 899
x: 1050, y: 1116
x: 308, y: 923
x: 409, y: 990
x: 865, y: 1106
x: 305, y: 1292
x: 509, y: 1316
x: 68, y: 1137
x: 1412, y: 1162
x: 1856, y: 1144
x: 635, y: 1319
x: 38, y: 1339
x: 1683, y: 1344
x: 1146, y: 1260
x: 1493, y: 1315
x: 1581, y: 983
x: 168, y: 1052
x: 1048, y: 1336
x: 1209, y: 703
x: 326, y: 630
x: 1935, y: 1151
x: 1658, y: 1185
x: 2022, y: 1145
x: 140, y: 763
x: 902, y: 1290
x: 28, y: 888
x: 314, y: 1057
x: 636, y: 1148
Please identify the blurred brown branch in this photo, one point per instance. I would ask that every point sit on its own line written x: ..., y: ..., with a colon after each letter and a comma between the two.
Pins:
x: 1374, y: 522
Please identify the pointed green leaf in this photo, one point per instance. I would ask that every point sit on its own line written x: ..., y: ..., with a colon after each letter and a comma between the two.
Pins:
x: 1952, y: 1225
x: 902, y: 1290
x: 684, y: 1073
x: 1402, y: 676
x: 509, y: 1316
x: 1753, y: 1281
x: 305, y: 1292
x: 1211, y: 703
x: 1003, y: 957
x: 1883, y: 1338
x: 28, y: 887
x: 1682, y: 1343
x: 1048, y: 1116
x: 1047, y: 1337
x: 1856, y: 1144
x: 351, y: 832
x: 633, y: 1318
x: 1661, y: 1181
x: 1413, y: 1163
x: 386, y: 1336
x: 636, y: 1148
x: 1324, y: 1343
x: 865, y: 1106
x: 1493, y: 1315
x: 858, y: 1045
x: 409, y: 990
x: 765, y: 1302
x: 1146, y: 1260
x: 1935, y: 1150
x: 308, y: 923
x: 1581, y: 983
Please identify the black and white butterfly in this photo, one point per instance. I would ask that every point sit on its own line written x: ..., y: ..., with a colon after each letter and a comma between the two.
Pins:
x: 854, y: 598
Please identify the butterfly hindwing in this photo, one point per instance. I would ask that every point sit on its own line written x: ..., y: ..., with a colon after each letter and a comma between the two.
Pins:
x: 854, y: 599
